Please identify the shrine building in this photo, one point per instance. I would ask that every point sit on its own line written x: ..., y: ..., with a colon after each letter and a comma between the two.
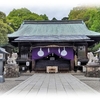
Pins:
x: 53, y: 43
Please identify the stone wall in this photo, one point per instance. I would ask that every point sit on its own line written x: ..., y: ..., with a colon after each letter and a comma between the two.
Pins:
x: 11, y: 70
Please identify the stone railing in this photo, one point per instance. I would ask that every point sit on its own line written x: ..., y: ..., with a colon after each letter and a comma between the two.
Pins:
x: 11, y: 70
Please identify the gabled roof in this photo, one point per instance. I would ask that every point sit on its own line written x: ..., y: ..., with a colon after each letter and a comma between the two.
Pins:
x: 74, y: 29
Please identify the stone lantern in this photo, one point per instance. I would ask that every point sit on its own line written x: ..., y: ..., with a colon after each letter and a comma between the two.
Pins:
x: 2, y: 59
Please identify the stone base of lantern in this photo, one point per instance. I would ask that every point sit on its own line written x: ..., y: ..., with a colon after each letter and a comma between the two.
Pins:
x: 11, y: 70
x: 92, y: 71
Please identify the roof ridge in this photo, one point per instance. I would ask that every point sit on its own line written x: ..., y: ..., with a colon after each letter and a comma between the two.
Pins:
x: 54, y: 22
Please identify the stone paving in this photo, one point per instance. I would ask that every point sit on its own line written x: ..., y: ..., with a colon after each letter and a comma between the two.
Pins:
x: 90, y: 81
x: 51, y: 83
x: 61, y: 83
x: 12, y: 82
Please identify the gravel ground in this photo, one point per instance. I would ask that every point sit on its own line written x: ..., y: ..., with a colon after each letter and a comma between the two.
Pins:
x: 12, y: 82
x: 90, y: 81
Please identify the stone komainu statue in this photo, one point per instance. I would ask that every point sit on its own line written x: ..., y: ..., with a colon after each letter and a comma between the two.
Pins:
x: 93, y: 60
x: 12, y: 58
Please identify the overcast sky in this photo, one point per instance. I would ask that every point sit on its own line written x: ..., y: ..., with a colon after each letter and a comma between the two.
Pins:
x: 52, y: 8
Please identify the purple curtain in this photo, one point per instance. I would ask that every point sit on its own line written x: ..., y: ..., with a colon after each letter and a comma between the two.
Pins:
x: 64, y: 52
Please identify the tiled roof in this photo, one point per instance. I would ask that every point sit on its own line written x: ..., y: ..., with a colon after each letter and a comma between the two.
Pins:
x: 53, y: 30
x: 60, y: 38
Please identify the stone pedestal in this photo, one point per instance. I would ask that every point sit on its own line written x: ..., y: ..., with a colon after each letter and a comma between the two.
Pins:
x: 11, y: 70
x: 1, y: 72
x: 92, y: 71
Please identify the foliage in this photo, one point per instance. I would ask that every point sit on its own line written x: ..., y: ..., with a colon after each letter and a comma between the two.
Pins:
x: 95, y: 47
x: 3, y: 33
x: 44, y: 17
x: 17, y: 16
x: 54, y: 19
x: 96, y: 22
x: 2, y: 16
x: 4, y: 29
x: 90, y: 15
x: 13, y: 21
x: 64, y: 18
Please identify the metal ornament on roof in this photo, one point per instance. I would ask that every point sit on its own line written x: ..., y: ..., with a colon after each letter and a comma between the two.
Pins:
x: 64, y: 52
x: 40, y: 53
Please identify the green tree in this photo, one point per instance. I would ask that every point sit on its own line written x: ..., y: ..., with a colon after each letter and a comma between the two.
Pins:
x: 64, y: 18
x: 85, y: 13
x: 54, y: 19
x: 95, y: 47
x: 96, y: 22
x: 77, y: 13
x: 3, y: 33
x: 2, y: 16
x: 4, y: 29
x: 44, y: 17
x: 17, y: 16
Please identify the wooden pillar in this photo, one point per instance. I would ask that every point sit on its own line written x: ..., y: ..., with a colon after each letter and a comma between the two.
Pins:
x: 33, y: 64
x: 72, y: 65
x: 86, y: 50
x: 19, y: 49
